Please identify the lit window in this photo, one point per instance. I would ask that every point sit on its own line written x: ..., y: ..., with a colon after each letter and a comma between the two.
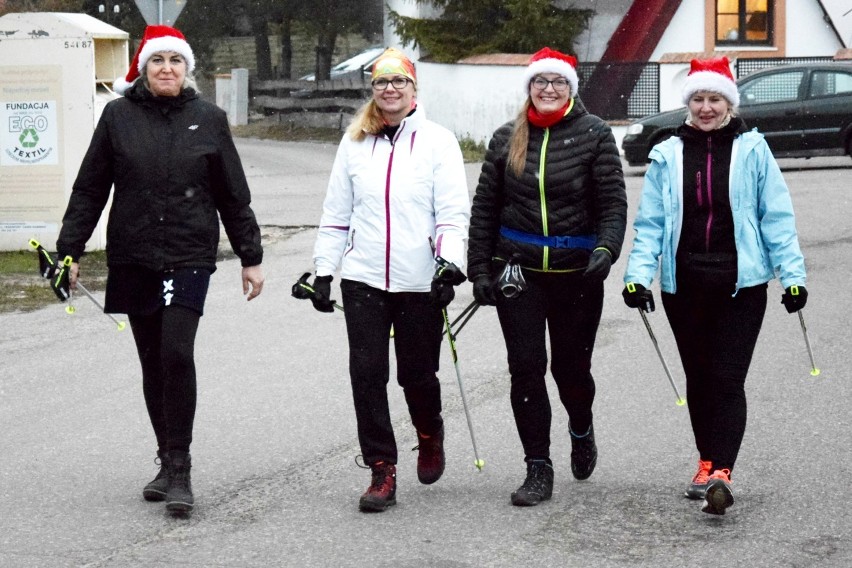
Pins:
x: 743, y: 22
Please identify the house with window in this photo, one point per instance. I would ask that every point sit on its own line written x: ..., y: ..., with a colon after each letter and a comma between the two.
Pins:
x: 635, y: 55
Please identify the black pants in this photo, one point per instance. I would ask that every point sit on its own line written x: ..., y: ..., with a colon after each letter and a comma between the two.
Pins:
x: 370, y: 313
x: 716, y: 334
x: 165, y: 341
x: 569, y: 307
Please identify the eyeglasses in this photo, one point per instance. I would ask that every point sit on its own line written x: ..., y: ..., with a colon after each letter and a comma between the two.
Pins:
x: 398, y: 83
x: 559, y: 84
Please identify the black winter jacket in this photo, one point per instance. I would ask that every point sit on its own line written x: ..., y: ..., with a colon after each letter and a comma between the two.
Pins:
x: 581, y: 193
x: 174, y: 166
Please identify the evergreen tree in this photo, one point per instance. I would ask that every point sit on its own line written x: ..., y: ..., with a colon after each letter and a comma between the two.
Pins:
x: 471, y: 27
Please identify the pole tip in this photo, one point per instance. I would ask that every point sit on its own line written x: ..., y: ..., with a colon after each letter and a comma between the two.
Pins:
x: 479, y: 464
x: 121, y: 326
x: 681, y: 401
x: 814, y: 372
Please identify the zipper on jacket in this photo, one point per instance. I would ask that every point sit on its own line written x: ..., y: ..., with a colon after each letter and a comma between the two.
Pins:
x: 545, y: 253
x: 709, y: 183
x: 388, y: 218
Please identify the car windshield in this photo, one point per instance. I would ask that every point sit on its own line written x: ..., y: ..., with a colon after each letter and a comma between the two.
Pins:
x: 361, y: 60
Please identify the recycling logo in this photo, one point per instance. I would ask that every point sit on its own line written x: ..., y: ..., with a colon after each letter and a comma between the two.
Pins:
x: 28, y: 138
x: 29, y: 132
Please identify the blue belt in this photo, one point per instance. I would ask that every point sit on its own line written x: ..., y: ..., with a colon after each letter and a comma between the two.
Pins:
x: 568, y: 241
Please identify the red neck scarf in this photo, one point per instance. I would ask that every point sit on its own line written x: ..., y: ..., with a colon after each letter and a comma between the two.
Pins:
x: 549, y: 119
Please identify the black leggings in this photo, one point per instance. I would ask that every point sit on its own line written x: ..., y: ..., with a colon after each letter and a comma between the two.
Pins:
x: 370, y: 313
x: 568, y: 306
x: 165, y: 342
x: 716, y: 334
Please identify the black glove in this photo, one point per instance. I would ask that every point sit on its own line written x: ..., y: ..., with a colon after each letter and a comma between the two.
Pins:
x: 441, y: 294
x: 483, y: 291
x: 794, y: 298
x: 321, y: 298
x: 637, y: 296
x: 599, y: 264
x: 301, y: 290
x: 446, y: 276
x: 60, y: 283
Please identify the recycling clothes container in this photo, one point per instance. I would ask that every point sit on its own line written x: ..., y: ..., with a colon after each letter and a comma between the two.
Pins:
x: 54, y: 72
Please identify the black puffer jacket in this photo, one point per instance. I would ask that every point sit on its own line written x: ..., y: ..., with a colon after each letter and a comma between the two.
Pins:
x: 174, y: 166
x: 582, y: 193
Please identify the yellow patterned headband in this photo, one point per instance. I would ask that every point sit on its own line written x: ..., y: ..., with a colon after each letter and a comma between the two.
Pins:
x: 393, y: 61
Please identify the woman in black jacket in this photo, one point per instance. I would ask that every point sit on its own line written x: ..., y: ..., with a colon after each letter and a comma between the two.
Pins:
x: 175, y: 170
x: 550, y: 213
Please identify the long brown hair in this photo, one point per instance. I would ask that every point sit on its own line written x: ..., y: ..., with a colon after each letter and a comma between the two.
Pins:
x: 520, y: 139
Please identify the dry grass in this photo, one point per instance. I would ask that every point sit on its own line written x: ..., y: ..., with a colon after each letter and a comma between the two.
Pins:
x: 23, y: 289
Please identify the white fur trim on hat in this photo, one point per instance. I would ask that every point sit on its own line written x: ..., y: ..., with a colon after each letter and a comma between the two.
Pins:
x: 552, y: 65
x: 713, y: 82
x: 120, y: 85
x: 166, y: 43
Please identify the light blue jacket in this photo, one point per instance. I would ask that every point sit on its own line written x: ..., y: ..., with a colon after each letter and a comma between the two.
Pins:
x: 764, y: 224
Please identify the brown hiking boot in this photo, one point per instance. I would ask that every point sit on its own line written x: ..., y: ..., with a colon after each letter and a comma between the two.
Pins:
x: 430, y: 460
x: 381, y: 493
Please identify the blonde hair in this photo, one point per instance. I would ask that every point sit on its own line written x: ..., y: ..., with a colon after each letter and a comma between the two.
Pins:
x: 368, y: 120
x: 519, y: 141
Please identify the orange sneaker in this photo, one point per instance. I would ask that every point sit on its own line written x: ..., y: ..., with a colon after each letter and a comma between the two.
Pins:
x: 719, y: 495
x: 698, y: 485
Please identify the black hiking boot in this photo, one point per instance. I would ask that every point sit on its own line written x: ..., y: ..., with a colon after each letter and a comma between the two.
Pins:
x: 430, y: 460
x: 382, y: 491
x: 156, y: 489
x: 584, y: 454
x: 179, y: 499
x: 537, y: 487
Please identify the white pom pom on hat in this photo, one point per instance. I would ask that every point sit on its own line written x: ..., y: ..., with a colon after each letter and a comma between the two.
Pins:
x: 712, y: 75
x: 547, y: 60
x: 154, y: 40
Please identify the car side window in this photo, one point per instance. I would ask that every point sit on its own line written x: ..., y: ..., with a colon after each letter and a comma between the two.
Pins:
x: 775, y: 88
x: 829, y: 83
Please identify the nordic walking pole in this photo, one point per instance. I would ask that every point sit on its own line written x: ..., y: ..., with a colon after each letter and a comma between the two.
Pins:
x: 680, y: 400
x: 468, y: 311
x: 121, y: 325
x: 479, y: 463
x: 814, y: 368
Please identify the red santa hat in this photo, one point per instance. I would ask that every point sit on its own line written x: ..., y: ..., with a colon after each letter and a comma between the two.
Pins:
x: 547, y: 60
x: 712, y: 75
x: 155, y: 40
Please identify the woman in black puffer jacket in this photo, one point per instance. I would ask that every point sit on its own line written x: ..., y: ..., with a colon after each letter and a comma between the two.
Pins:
x: 547, y: 222
x: 175, y: 172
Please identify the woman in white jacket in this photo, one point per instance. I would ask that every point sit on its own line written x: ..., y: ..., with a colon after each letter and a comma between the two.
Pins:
x: 394, y: 221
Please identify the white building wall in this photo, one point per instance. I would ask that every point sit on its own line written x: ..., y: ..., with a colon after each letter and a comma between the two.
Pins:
x: 471, y: 100
x: 808, y: 34
x: 685, y: 32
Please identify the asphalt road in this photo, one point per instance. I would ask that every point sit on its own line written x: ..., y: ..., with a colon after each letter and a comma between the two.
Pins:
x: 274, y: 473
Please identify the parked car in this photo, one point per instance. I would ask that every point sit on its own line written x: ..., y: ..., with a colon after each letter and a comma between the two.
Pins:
x: 354, y: 65
x: 802, y: 110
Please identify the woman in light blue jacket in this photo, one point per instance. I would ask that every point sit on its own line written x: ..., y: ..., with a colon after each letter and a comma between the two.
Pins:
x: 716, y: 218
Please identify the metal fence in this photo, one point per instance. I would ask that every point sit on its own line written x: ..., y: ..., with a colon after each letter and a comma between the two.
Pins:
x: 615, y: 91
x: 747, y: 66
